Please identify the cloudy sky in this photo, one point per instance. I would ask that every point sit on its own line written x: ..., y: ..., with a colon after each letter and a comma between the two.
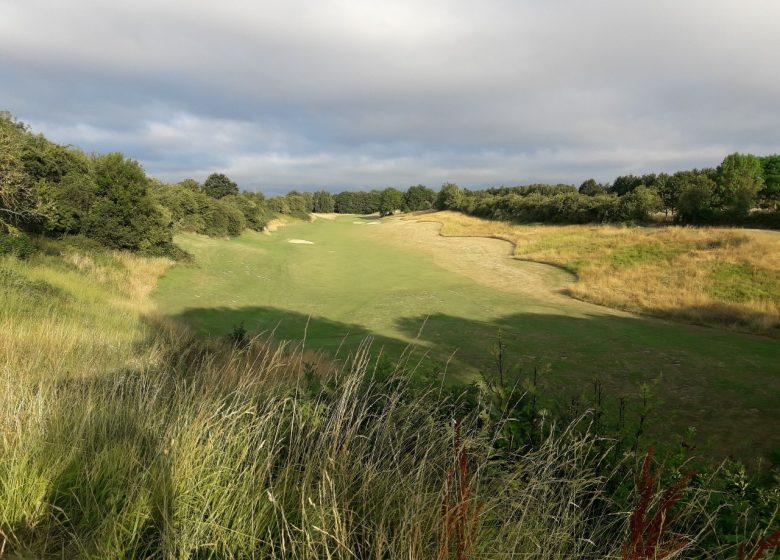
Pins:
x: 284, y: 94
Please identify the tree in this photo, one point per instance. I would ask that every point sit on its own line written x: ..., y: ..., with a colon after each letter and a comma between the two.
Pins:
x: 419, y: 197
x: 298, y: 204
x: 592, y: 188
x: 16, y: 193
x: 323, y: 201
x: 190, y: 185
x: 668, y: 191
x: 625, y: 184
x: 770, y: 194
x: 123, y: 215
x: 67, y: 202
x: 694, y: 203
x: 450, y: 197
x: 741, y: 178
x: 218, y: 185
x: 640, y: 204
x: 391, y: 200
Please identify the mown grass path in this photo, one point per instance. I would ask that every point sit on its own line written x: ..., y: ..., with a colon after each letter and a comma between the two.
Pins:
x: 359, y: 278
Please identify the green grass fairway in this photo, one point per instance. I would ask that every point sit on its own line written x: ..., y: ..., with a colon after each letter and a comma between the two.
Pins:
x: 350, y: 283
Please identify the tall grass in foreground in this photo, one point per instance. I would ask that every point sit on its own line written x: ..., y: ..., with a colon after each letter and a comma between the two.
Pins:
x: 712, y: 276
x: 243, y: 452
x: 129, y: 438
x: 210, y: 456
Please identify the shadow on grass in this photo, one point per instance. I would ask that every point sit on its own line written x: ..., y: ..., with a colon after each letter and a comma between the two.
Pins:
x: 723, y: 384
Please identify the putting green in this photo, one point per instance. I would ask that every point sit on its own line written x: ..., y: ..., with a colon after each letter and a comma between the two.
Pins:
x: 349, y: 282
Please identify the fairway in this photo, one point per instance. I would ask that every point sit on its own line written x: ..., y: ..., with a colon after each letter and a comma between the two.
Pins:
x: 341, y: 280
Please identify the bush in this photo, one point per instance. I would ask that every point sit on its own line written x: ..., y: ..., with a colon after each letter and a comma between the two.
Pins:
x: 450, y: 197
x: 20, y: 246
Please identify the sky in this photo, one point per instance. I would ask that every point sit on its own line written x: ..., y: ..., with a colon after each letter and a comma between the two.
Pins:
x: 352, y: 94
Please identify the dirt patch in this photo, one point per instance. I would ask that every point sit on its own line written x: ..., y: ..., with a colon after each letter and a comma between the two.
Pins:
x: 300, y: 242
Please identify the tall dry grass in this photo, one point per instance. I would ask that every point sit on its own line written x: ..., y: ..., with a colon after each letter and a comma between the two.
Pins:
x: 712, y: 276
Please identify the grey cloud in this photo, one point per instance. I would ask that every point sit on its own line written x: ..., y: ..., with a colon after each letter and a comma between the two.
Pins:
x: 345, y: 94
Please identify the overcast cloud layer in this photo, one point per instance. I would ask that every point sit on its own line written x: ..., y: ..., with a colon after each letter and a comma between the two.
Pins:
x: 284, y: 94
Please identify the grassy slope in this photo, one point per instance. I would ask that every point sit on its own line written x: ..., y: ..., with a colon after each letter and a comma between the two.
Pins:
x: 710, y: 276
x: 75, y: 313
x: 121, y: 438
x: 724, y: 383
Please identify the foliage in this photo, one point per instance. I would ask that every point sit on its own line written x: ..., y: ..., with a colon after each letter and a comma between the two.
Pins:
x: 419, y: 197
x: 357, y: 202
x: 390, y: 200
x: 770, y: 194
x: 450, y: 197
x: 17, y: 203
x: 323, y: 202
x: 124, y: 215
x: 218, y: 185
x: 695, y: 199
x: 20, y: 246
x: 592, y: 188
x: 740, y: 182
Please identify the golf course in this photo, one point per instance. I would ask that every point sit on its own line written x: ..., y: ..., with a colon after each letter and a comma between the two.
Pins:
x: 333, y: 282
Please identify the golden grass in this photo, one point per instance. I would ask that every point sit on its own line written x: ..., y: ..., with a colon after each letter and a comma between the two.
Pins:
x: 712, y: 276
x: 75, y: 314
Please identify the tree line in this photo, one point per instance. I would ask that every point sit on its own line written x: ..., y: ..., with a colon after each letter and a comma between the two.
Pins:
x: 55, y: 190
x: 743, y: 190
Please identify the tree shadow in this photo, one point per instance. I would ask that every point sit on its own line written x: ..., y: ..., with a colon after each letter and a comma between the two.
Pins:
x: 724, y: 384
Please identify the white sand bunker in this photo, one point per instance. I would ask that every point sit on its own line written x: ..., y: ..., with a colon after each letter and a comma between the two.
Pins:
x: 300, y: 241
x: 359, y: 223
x: 373, y: 223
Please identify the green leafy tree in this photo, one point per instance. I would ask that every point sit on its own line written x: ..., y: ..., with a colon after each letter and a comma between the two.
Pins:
x: 323, y: 201
x: 639, y: 204
x: 419, y: 197
x: 770, y: 194
x: 592, y: 188
x: 191, y: 185
x: 669, y: 191
x: 67, y: 203
x: 279, y: 205
x: 218, y: 185
x: 235, y: 221
x: 16, y: 200
x: 123, y: 215
x: 450, y: 197
x: 298, y: 204
x: 391, y: 200
x: 741, y: 179
x: 695, y: 201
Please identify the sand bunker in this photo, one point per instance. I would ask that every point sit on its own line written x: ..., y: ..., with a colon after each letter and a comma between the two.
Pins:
x: 300, y: 241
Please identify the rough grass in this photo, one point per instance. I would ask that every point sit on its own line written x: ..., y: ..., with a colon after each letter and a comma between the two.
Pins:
x: 385, y: 283
x: 142, y: 441
x: 75, y: 312
x: 711, y: 276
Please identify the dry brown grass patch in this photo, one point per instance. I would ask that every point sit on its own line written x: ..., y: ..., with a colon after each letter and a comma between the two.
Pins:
x: 713, y: 276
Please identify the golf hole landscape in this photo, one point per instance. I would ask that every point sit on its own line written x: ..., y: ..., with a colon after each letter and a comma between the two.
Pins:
x: 450, y: 280
x: 449, y: 299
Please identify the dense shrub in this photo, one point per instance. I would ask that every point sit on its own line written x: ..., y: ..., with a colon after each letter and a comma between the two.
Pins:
x: 20, y: 246
x: 218, y: 185
x: 450, y: 197
x: 419, y: 197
